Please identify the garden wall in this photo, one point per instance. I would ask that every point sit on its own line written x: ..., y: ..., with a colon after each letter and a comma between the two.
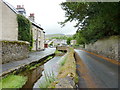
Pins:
x: 108, y: 47
x: 14, y: 50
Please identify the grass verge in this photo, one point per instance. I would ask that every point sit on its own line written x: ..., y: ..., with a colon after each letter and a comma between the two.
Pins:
x: 68, y: 66
x: 13, y: 81
x: 49, y: 78
x: 58, y: 52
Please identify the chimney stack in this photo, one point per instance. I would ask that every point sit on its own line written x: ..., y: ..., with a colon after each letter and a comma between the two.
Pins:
x: 20, y: 6
x: 20, y: 9
x: 32, y: 17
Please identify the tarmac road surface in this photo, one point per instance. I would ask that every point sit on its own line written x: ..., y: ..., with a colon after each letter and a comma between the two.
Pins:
x: 96, y: 72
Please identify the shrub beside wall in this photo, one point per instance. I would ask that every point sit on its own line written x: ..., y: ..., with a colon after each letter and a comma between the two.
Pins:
x: 24, y: 29
x: 14, y: 50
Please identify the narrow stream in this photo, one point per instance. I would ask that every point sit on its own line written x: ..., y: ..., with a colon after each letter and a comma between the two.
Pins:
x: 37, y: 75
x: 51, y: 67
x: 33, y: 75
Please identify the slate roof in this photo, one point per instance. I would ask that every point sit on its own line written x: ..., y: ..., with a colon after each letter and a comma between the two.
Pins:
x: 11, y: 7
x: 15, y: 11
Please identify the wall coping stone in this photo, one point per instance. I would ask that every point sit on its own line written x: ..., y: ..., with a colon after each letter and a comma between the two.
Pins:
x: 13, y: 41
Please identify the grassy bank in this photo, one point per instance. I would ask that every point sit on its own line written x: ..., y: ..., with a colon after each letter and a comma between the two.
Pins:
x: 68, y: 66
x: 13, y: 81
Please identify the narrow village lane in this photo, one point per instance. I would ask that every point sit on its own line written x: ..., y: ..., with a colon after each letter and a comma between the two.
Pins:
x: 33, y: 56
x: 95, y: 72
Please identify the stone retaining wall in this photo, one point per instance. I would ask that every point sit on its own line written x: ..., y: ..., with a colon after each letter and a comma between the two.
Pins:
x: 62, y: 48
x: 108, y: 47
x: 14, y: 50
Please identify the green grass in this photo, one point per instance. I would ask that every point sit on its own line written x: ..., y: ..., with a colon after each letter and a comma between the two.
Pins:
x: 13, y: 81
x: 57, y: 52
x: 49, y: 78
x: 63, y: 61
x: 50, y: 57
x: 36, y: 65
x: 68, y: 65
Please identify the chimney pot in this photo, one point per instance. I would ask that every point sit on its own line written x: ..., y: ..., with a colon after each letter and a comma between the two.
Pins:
x: 22, y: 6
x: 31, y: 17
x: 32, y: 14
x: 19, y: 6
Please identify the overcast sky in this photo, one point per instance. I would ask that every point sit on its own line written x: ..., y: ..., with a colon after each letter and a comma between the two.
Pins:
x: 47, y: 13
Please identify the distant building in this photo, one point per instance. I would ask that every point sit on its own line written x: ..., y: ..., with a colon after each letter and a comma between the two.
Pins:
x: 73, y: 42
x: 59, y: 42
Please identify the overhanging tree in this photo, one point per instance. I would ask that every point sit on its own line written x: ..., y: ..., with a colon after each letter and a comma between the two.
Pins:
x: 94, y: 20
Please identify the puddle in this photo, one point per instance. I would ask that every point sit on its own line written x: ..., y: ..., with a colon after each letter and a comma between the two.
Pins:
x: 51, y: 67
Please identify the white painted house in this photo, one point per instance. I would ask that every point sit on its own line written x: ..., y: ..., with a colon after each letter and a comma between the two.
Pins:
x: 73, y: 42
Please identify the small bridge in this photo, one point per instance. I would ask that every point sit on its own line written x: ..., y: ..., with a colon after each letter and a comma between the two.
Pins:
x: 62, y: 48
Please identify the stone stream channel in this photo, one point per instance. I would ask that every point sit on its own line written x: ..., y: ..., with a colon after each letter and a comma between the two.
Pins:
x: 37, y: 76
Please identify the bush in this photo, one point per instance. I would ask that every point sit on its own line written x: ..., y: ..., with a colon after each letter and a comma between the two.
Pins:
x: 24, y: 29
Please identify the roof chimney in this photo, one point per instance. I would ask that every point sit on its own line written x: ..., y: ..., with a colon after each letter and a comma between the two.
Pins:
x: 20, y: 9
x: 22, y: 6
x: 18, y: 6
x: 32, y: 17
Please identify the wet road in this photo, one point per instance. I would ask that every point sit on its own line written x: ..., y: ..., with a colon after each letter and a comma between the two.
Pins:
x: 95, y: 72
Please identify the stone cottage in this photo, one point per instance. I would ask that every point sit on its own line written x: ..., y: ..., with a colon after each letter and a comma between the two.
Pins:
x: 9, y: 14
x: 38, y: 34
x: 11, y: 49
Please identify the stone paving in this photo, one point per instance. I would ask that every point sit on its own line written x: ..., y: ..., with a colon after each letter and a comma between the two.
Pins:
x: 33, y: 56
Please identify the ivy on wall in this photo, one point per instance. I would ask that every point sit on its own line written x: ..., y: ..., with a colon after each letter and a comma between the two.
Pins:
x: 24, y: 29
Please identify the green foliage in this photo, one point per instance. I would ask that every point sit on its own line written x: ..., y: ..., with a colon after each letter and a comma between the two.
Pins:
x: 68, y: 40
x: 13, y: 81
x: 63, y: 62
x: 49, y: 78
x: 35, y: 66
x: 50, y: 57
x: 24, y: 29
x: 57, y: 52
x: 62, y: 37
x: 76, y: 79
x: 94, y: 20
x: 30, y: 67
x: 13, y: 42
x: 51, y: 44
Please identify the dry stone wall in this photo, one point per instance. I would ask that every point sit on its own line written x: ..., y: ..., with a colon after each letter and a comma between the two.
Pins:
x: 14, y: 50
x: 108, y: 47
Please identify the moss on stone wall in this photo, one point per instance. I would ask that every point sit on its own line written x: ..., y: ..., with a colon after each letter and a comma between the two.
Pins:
x: 12, y: 81
x: 15, y: 42
x: 24, y: 29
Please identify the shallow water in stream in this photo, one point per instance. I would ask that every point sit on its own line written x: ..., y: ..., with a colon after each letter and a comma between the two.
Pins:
x: 36, y: 76
x: 51, y: 67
